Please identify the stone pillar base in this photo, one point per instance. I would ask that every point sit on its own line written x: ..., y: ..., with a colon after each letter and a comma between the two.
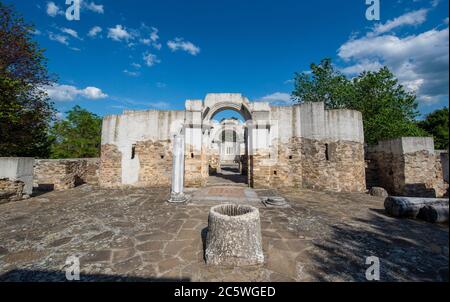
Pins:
x: 178, y: 198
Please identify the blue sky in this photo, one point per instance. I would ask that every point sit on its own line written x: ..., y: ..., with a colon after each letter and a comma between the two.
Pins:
x: 157, y: 54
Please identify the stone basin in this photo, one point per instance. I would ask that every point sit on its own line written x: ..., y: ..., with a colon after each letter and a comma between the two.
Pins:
x: 234, y: 236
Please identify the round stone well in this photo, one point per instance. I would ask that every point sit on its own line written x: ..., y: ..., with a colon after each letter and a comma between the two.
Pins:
x: 234, y: 236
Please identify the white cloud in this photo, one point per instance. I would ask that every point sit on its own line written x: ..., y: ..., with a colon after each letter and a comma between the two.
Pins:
x: 131, y: 73
x: 277, y: 98
x: 94, y: 31
x: 180, y: 44
x: 96, y: 8
x: 93, y: 93
x: 152, y: 38
x: 412, y: 18
x: 58, y: 38
x: 421, y: 61
x: 136, y: 65
x: 64, y: 93
x: 161, y: 85
x: 70, y: 32
x: 363, y: 65
x: 150, y: 59
x: 119, y: 33
x: 154, y: 34
x: 53, y: 10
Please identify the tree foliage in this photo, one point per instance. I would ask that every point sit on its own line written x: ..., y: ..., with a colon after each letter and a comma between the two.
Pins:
x: 25, y: 109
x: 436, y: 123
x: 388, y: 110
x: 77, y: 136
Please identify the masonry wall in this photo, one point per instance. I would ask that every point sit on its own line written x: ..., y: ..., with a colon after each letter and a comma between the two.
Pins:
x: 407, y: 166
x: 11, y: 190
x: 20, y: 169
x: 136, y: 148
x: 63, y: 174
x: 317, y: 148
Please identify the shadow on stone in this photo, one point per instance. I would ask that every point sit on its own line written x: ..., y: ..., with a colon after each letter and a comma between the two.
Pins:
x: 24, y: 275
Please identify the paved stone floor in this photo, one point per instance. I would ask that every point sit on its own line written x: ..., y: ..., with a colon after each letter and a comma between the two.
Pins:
x: 134, y: 235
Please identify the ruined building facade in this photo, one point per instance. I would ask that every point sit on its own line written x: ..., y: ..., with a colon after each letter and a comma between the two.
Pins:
x: 276, y: 146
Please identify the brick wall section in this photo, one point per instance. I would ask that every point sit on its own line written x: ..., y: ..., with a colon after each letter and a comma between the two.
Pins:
x: 10, y: 190
x: 333, y: 165
x: 304, y: 163
x: 196, y: 167
x: 62, y: 174
x: 110, y: 167
x: 155, y: 159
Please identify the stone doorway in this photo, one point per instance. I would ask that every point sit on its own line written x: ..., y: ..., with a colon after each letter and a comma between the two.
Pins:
x: 227, y: 150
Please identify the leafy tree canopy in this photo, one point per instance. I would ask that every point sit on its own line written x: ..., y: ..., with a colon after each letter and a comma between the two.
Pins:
x: 436, y: 123
x: 77, y: 136
x: 25, y: 109
x: 388, y: 110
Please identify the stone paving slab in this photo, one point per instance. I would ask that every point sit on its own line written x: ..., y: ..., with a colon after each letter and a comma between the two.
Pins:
x: 225, y: 194
x: 135, y: 235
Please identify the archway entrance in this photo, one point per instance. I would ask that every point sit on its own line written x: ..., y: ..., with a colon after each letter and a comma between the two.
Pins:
x: 228, y: 147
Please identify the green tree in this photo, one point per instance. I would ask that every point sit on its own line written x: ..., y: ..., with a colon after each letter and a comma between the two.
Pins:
x: 388, y: 110
x: 77, y: 136
x: 25, y: 109
x: 436, y: 123
x: 323, y: 84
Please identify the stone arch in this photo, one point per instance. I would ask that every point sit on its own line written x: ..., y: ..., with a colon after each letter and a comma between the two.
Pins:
x: 241, y: 108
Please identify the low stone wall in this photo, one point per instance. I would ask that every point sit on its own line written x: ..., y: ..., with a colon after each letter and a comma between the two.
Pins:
x: 407, y: 166
x: 18, y: 168
x: 11, y: 190
x: 62, y: 174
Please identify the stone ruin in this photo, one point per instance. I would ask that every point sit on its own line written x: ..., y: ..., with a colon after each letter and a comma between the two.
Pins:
x: 302, y: 145
x: 298, y: 146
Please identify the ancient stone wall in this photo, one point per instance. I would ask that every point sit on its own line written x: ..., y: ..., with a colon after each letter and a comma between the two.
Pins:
x: 110, y: 167
x: 62, y: 174
x: 196, y: 167
x: 155, y: 162
x: 333, y: 165
x: 407, y: 166
x: 11, y: 190
x: 441, y: 180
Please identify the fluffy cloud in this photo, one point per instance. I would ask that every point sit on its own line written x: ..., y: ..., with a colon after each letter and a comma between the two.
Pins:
x: 70, y: 32
x: 150, y: 59
x: 94, y: 31
x: 277, y: 98
x: 64, y: 93
x: 413, y: 18
x: 53, y: 10
x: 96, y: 8
x: 420, y: 61
x: 180, y: 44
x: 58, y: 38
x: 119, y: 33
x: 151, y: 38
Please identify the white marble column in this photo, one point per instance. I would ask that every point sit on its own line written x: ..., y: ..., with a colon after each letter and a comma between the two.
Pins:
x: 177, y: 194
